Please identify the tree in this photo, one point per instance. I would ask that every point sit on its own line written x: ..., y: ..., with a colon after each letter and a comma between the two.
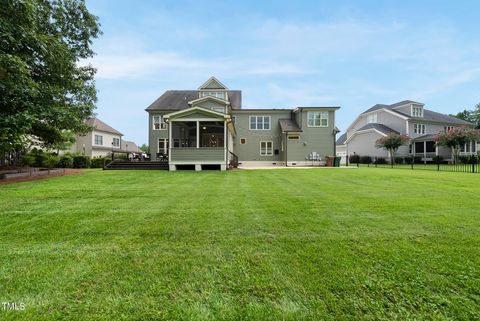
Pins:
x: 472, y: 116
x: 144, y: 148
x: 392, y: 142
x: 456, y: 137
x: 44, y: 89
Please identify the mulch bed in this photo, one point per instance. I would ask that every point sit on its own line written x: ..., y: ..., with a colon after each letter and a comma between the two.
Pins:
x: 68, y: 171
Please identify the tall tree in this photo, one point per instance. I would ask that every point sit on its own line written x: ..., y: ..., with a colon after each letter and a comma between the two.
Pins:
x: 44, y: 89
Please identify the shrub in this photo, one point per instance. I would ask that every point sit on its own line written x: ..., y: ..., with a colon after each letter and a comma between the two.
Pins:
x: 417, y: 159
x: 354, y: 159
x: 66, y: 161
x: 398, y: 160
x: 365, y: 160
x: 39, y: 156
x: 51, y: 161
x: 437, y: 159
x: 28, y: 160
x: 408, y: 159
x: 97, y: 162
x: 81, y: 161
x: 468, y: 159
x: 380, y: 160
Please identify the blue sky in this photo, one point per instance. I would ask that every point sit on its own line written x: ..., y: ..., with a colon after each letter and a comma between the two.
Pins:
x: 284, y: 54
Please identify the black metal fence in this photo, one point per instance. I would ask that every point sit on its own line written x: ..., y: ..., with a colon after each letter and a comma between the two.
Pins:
x: 463, y: 164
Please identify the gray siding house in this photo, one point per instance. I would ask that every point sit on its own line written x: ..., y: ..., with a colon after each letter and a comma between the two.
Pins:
x: 208, y: 126
x: 406, y: 117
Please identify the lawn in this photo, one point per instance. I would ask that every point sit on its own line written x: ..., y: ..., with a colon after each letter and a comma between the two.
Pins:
x: 351, y: 244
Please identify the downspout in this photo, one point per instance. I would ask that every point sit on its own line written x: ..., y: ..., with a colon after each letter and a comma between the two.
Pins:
x: 286, y: 149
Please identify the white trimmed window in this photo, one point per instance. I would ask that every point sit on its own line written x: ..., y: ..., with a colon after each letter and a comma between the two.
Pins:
x: 116, y: 142
x: 217, y: 94
x: 163, y: 145
x: 260, y: 122
x: 417, y: 111
x: 159, y: 123
x: 448, y: 128
x: 266, y: 148
x: 98, y: 140
x: 419, y: 128
x: 317, y: 118
x: 372, y: 118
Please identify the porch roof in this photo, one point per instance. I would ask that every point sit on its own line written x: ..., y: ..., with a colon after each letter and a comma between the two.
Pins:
x: 289, y: 125
x: 423, y: 138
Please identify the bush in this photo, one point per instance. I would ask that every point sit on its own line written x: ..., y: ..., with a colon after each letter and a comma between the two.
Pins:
x: 51, y: 161
x: 468, y: 159
x: 380, y: 160
x: 354, y: 159
x: 437, y: 159
x: 365, y: 160
x: 417, y: 159
x: 39, y: 156
x: 66, y: 161
x: 408, y: 159
x: 398, y: 160
x: 81, y: 161
x: 28, y: 160
x: 97, y: 162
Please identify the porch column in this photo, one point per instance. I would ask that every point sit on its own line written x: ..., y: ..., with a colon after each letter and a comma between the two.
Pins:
x: 170, y: 142
x: 425, y: 152
x: 436, y: 150
x: 225, y: 140
x: 198, y: 134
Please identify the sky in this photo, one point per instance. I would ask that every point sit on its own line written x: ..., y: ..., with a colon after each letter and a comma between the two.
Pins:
x: 284, y: 54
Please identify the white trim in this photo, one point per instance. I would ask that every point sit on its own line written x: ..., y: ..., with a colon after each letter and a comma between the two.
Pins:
x: 363, y: 131
x: 263, y: 122
x: 215, y: 99
x: 317, y: 112
x: 198, y: 134
x: 170, y: 141
x: 208, y: 111
x: 202, y: 87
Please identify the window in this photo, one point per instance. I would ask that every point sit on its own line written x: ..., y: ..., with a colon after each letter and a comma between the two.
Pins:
x: 159, y: 123
x: 259, y: 122
x: 243, y: 141
x: 372, y: 118
x: 116, y: 142
x: 448, y: 128
x: 219, y: 109
x: 417, y: 111
x: 217, y: 94
x: 266, y: 148
x: 317, y: 118
x: 163, y: 145
x: 419, y: 128
x: 99, y: 140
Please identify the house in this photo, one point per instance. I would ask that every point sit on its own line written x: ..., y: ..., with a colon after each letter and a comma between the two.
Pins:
x: 406, y: 117
x: 208, y: 127
x: 102, y: 141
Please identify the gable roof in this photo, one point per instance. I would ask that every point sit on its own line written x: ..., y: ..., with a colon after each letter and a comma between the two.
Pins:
x: 132, y: 147
x: 341, y: 140
x: 178, y: 99
x: 193, y: 109
x: 428, y: 115
x: 380, y: 127
x: 288, y: 125
x: 212, y: 83
x: 101, y: 126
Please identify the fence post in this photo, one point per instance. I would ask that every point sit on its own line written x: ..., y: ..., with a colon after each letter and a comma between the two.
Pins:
x: 474, y: 160
x: 438, y: 165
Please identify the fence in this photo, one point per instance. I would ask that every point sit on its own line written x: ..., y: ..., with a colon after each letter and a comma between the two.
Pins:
x: 465, y: 164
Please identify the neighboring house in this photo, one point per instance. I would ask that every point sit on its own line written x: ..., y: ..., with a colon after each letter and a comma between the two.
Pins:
x: 102, y: 141
x: 209, y: 127
x: 405, y: 117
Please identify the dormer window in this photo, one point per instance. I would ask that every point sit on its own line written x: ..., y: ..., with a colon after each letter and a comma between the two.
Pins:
x: 417, y: 111
x: 372, y: 118
x: 216, y: 94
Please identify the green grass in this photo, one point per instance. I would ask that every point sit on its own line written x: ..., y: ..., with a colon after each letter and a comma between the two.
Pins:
x: 351, y: 244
